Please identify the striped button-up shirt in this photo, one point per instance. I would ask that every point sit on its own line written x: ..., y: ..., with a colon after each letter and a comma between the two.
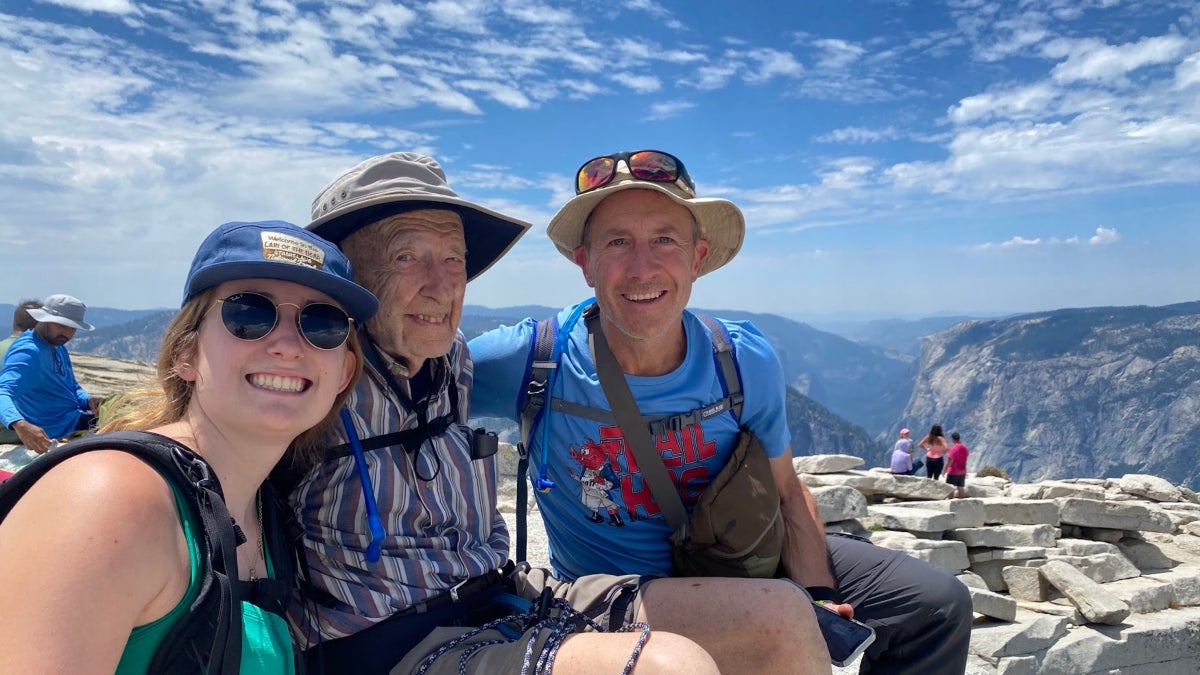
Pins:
x: 438, y: 531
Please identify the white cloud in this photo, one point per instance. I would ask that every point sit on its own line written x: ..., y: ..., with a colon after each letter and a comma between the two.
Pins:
x: 667, y: 109
x: 772, y: 63
x: 655, y: 10
x: 1020, y: 102
x: 501, y: 93
x: 538, y: 13
x: 1092, y: 60
x: 713, y: 76
x: 1187, y: 73
x: 860, y: 135
x: 1104, y: 235
x: 467, y: 16
x: 847, y: 173
x: 837, y: 54
x: 643, y: 84
x: 755, y: 67
x: 103, y: 6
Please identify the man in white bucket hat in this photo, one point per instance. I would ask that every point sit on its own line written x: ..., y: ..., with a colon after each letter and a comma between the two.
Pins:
x: 406, y: 550
x: 40, y: 399
x: 642, y: 237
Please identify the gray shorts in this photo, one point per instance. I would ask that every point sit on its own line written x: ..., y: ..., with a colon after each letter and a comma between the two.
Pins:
x: 609, y: 601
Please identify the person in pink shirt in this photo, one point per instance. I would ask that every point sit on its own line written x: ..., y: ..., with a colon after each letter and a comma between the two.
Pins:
x: 934, y: 445
x: 956, y: 470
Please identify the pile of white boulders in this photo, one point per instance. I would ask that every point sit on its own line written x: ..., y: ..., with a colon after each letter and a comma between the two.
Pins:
x: 1067, y: 576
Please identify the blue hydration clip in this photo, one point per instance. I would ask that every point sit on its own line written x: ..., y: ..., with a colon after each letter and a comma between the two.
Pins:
x: 543, y: 482
x: 360, y: 463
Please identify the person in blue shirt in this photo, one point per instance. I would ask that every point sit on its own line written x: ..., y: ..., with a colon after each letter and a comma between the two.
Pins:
x: 21, y: 323
x: 40, y: 399
x: 642, y: 237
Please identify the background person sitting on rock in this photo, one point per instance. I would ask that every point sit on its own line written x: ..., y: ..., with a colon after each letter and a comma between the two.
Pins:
x: 22, y: 322
x: 40, y: 399
x: 902, y: 456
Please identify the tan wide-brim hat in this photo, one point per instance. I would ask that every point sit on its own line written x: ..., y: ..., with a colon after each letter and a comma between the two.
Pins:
x: 721, y: 222
x: 394, y: 183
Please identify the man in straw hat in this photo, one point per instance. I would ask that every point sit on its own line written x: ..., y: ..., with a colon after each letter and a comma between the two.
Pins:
x: 406, y: 550
x: 641, y: 236
x: 40, y: 399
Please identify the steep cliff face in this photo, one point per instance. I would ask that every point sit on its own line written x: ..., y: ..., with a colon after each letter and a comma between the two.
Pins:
x: 818, y: 431
x: 1080, y: 392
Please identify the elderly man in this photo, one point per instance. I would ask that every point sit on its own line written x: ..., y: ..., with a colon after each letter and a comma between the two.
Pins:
x: 641, y: 236
x: 405, y: 548
x: 40, y: 398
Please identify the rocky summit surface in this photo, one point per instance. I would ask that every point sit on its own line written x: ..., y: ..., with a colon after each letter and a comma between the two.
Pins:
x: 1081, y: 576
x: 1078, y: 576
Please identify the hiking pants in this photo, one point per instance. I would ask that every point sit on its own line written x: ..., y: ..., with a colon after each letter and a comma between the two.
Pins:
x: 920, y: 612
x: 933, y: 467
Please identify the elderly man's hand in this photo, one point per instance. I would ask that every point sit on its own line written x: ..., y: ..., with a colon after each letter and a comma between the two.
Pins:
x: 94, y: 404
x: 32, y: 436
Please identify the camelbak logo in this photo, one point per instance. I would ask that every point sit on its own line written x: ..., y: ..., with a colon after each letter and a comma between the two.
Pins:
x: 715, y: 410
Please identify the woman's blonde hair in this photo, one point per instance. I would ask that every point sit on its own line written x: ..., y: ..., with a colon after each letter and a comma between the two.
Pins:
x: 166, y: 401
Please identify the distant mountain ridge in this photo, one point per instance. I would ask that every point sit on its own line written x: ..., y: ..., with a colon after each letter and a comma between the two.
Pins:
x: 1098, y: 391
x: 134, y: 340
x: 826, y: 368
x: 1095, y: 391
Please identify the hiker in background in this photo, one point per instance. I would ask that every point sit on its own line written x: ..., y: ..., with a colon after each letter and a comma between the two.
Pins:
x: 934, y: 445
x: 956, y: 470
x: 902, y: 456
x: 40, y: 399
x: 258, y: 359
x: 22, y: 321
x: 641, y: 237
x: 406, y: 548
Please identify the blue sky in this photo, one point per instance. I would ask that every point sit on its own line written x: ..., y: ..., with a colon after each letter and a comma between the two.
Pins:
x: 891, y: 157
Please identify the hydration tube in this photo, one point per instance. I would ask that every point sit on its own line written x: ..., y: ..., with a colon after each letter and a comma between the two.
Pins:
x: 360, y: 463
x: 543, y: 482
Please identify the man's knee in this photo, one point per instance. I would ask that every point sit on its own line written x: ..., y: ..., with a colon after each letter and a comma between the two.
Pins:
x: 950, y: 605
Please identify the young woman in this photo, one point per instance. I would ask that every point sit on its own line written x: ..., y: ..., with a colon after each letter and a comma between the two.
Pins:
x: 934, y: 445
x: 98, y: 559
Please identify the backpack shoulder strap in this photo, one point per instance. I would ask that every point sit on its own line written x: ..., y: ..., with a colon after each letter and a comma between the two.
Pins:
x: 208, y: 636
x: 538, y: 367
x: 726, y: 360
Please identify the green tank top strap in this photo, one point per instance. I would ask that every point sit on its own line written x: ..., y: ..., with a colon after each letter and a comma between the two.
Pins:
x: 144, y: 640
x: 266, y: 641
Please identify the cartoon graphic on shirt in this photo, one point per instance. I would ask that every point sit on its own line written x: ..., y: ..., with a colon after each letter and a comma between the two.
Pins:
x: 595, y: 488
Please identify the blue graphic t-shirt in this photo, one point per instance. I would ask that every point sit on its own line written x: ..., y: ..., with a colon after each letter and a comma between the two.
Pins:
x: 601, y: 517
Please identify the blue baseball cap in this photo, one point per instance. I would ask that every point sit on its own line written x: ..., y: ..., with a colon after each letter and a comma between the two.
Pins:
x: 274, y: 249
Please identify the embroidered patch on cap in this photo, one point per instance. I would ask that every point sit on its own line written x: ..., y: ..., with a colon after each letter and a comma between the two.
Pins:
x: 279, y: 247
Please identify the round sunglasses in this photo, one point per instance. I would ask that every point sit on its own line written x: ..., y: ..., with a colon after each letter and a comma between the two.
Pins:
x: 252, y: 316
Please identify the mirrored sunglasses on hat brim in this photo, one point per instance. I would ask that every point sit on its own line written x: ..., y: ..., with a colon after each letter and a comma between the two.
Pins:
x: 652, y: 166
